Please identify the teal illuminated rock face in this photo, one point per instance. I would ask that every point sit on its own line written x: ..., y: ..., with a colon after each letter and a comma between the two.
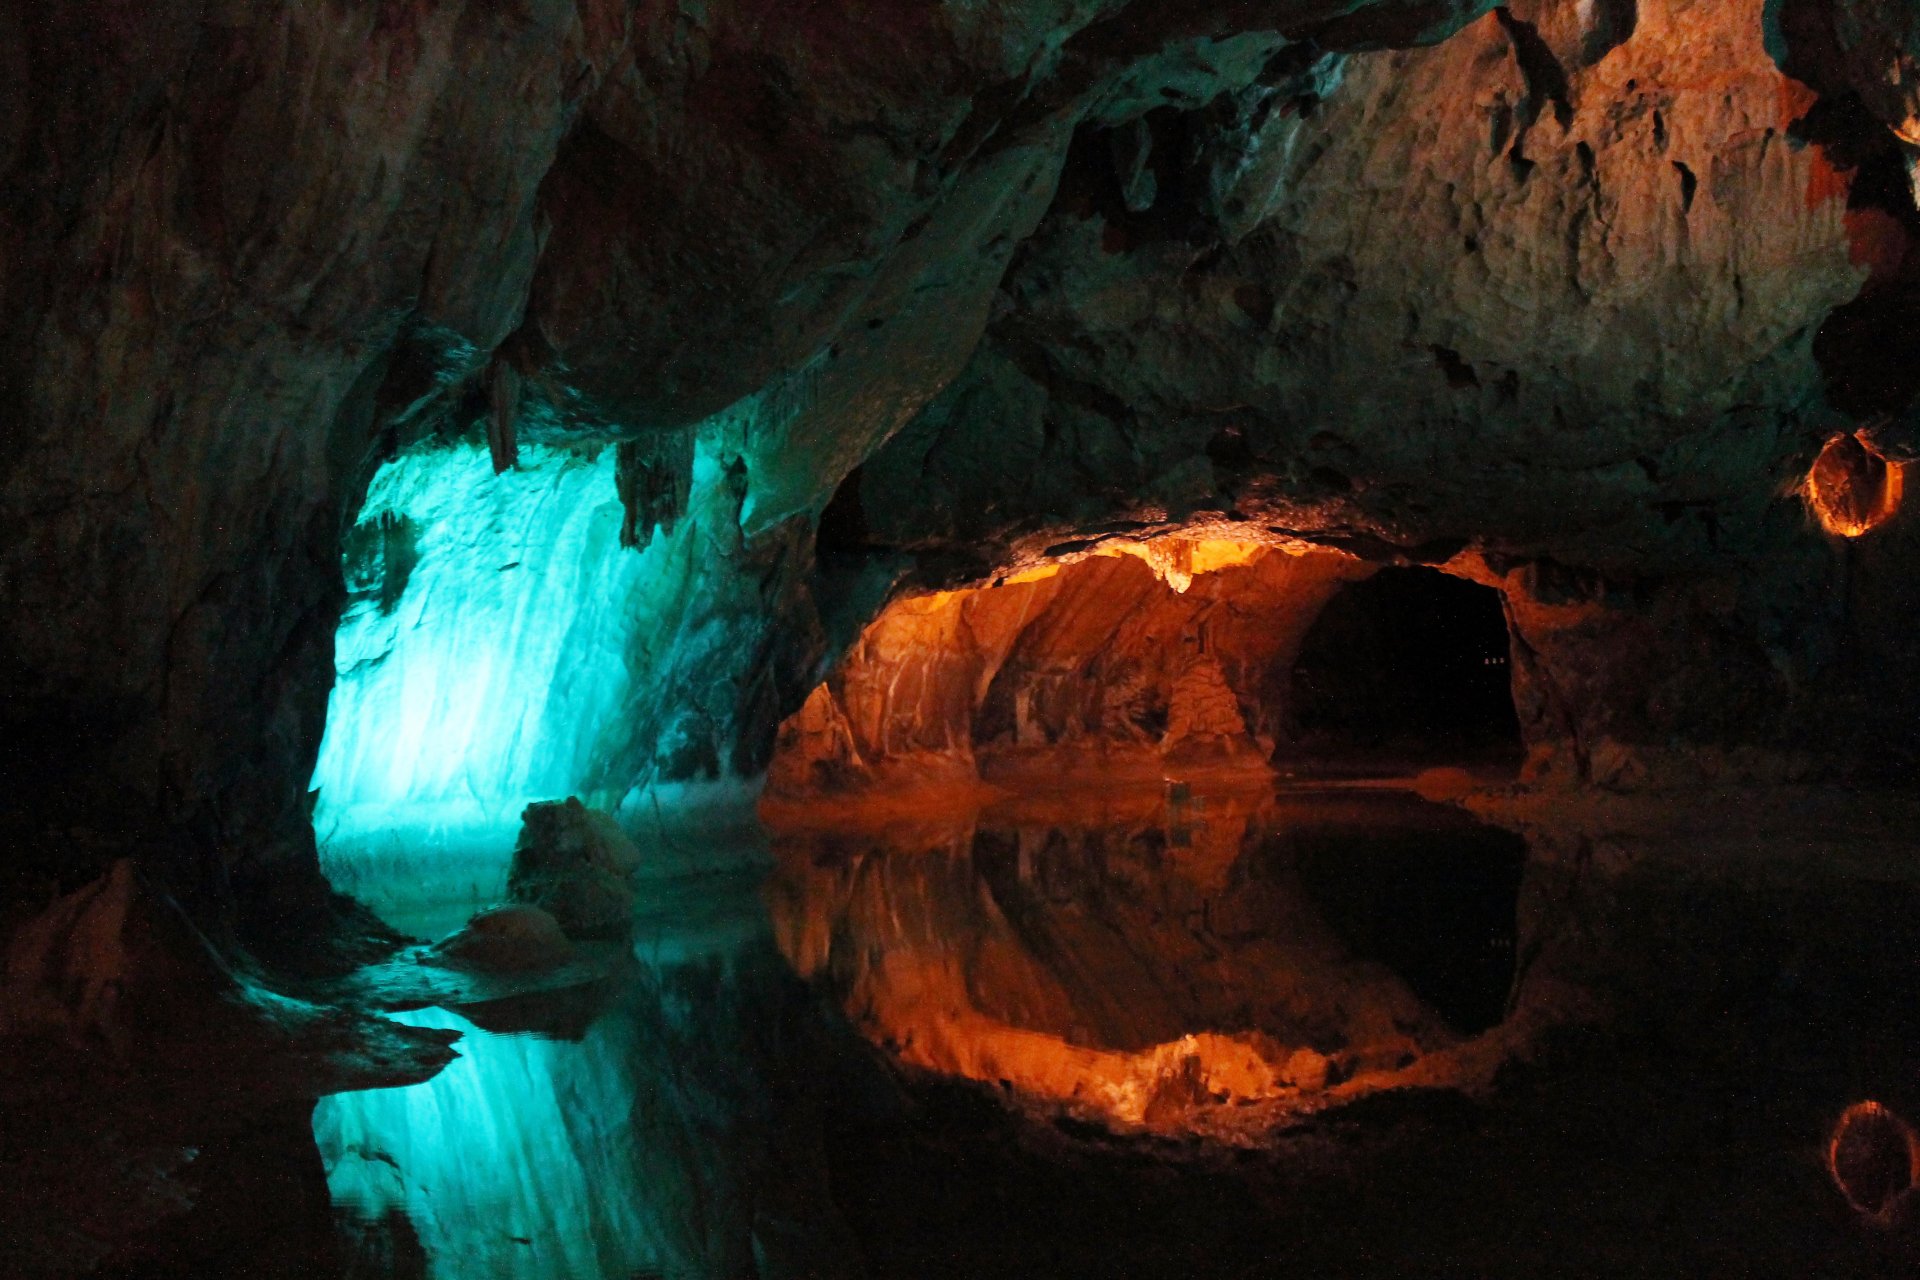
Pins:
x: 516, y: 637
x: 487, y: 671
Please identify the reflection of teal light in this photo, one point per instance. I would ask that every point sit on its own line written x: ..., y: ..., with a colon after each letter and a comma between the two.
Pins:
x: 649, y: 1145
x: 519, y: 1160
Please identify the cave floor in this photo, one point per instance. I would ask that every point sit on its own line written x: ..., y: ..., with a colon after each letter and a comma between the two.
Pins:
x: 1627, y: 1038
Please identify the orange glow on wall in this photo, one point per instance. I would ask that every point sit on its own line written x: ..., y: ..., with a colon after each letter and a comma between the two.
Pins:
x: 1852, y: 489
x: 1178, y: 561
x: 1127, y: 656
x: 1874, y: 1157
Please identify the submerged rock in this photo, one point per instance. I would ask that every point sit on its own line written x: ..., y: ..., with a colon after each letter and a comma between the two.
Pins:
x: 576, y: 864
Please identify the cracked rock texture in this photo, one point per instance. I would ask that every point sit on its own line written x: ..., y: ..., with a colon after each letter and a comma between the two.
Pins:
x: 1544, y: 303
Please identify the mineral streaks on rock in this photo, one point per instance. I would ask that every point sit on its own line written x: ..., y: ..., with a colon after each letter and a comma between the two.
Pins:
x: 1099, y: 661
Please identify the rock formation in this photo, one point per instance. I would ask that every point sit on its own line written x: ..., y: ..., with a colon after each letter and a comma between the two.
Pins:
x: 1137, y: 657
x: 575, y: 866
x: 1564, y: 297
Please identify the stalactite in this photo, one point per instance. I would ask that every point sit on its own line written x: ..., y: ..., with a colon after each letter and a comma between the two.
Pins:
x: 655, y: 476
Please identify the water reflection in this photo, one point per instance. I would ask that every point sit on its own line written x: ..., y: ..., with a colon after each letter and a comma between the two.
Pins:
x: 1684, y: 1028
x: 1204, y: 964
x: 1196, y: 963
x: 673, y: 1135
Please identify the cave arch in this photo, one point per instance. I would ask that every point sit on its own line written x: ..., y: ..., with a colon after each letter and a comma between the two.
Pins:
x: 1162, y: 657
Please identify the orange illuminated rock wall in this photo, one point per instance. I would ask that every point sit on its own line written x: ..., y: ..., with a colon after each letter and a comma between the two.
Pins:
x: 1581, y: 292
x: 1176, y: 653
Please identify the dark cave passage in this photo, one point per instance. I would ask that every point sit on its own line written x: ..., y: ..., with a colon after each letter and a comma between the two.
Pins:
x: 1409, y: 665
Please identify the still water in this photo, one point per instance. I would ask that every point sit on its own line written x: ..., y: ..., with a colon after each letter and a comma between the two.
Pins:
x: 1312, y: 1033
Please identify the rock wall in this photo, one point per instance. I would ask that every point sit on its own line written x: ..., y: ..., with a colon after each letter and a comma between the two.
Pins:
x: 1134, y: 656
x: 251, y: 250
x: 1568, y: 302
x: 1553, y: 289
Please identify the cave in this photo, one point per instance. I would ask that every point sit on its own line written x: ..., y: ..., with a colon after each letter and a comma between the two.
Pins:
x: 990, y: 638
x: 1407, y: 663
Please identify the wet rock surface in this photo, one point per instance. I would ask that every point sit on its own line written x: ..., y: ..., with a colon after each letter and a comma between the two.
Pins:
x: 506, y: 939
x: 129, y: 1048
x: 1138, y: 657
x: 575, y: 866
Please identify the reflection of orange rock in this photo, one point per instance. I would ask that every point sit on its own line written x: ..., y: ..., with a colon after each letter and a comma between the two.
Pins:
x: 1160, y: 1087
x: 1874, y: 1157
x: 1104, y: 965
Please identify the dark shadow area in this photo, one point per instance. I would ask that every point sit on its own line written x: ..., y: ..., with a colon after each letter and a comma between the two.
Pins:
x: 1432, y: 898
x: 1684, y: 1142
x: 1408, y: 666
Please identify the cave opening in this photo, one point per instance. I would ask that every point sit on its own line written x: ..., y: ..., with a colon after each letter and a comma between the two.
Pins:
x: 1162, y: 660
x: 1410, y: 665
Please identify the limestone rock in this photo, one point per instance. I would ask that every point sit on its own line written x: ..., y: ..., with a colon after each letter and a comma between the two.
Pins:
x: 1203, y: 715
x: 575, y: 864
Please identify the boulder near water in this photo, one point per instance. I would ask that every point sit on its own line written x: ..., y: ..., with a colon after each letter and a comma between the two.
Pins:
x: 576, y: 864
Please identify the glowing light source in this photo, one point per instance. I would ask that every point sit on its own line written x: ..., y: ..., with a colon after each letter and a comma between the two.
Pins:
x: 501, y: 645
x: 486, y: 674
x: 1874, y: 1157
x: 1852, y: 489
